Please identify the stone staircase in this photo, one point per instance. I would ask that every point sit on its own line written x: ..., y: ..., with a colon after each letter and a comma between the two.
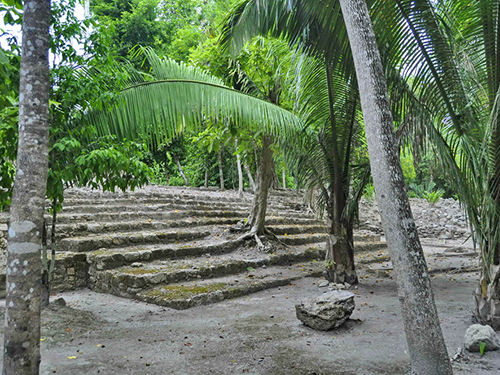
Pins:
x: 173, y: 246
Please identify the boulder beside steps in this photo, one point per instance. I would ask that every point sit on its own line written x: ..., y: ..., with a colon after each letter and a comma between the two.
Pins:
x: 328, y: 311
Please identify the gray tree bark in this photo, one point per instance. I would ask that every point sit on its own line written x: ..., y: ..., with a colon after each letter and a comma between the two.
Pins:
x: 181, y: 171
x: 22, y: 315
x: 339, y: 258
x: 240, y: 172
x: 423, y: 333
x: 167, y: 174
x: 257, y: 217
x: 221, y: 170
x: 250, y: 178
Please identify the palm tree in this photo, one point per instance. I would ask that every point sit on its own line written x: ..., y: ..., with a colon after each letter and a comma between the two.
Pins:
x: 328, y: 103
x: 455, y: 69
x: 442, y: 65
x: 182, y: 97
x: 478, y: 61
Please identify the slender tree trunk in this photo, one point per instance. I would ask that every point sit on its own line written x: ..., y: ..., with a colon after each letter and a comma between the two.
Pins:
x: 181, y: 171
x: 275, y: 181
x: 423, y: 333
x: 257, y: 216
x: 340, y: 243
x: 487, y: 294
x: 45, y: 293
x: 339, y: 259
x: 206, y: 171
x: 283, y: 175
x: 221, y: 170
x: 250, y: 178
x: 22, y: 315
x: 167, y: 175
x: 240, y: 171
x: 48, y: 266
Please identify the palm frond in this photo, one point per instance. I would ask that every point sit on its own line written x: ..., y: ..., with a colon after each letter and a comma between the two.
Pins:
x: 315, y: 26
x: 157, y: 110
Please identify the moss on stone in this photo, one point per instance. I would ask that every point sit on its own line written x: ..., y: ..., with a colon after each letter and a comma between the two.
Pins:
x: 175, y: 292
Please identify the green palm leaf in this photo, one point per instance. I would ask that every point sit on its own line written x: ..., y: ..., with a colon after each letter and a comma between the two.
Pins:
x: 156, y: 110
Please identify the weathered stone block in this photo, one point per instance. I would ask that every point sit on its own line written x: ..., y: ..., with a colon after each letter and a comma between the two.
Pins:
x: 476, y: 334
x: 328, y: 311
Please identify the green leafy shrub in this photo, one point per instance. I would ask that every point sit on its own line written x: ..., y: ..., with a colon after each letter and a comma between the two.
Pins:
x: 434, y: 196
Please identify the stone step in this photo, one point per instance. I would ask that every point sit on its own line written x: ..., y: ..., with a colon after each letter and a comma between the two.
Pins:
x: 369, y: 246
x: 179, y: 192
x: 129, y: 280
x: 164, y: 199
x: 95, y: 242
x: 65, y: 218
x: 186, y: 294
x: 166, y: 203
x: 105, y: 259
x: 293, y: 229
x: 301, y: 239
x: 157, y: 206
x: 142, y: 215
x: 277, y: 225
x: 86, y: 228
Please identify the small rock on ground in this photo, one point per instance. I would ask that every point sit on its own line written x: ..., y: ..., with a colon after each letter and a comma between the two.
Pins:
x: 476, y: 334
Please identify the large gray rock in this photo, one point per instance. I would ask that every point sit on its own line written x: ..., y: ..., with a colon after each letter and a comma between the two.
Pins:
x: 478, y: 333
x: 327, y: 311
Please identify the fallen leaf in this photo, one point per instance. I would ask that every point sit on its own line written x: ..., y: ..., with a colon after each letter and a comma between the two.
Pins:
x: 72, y: 357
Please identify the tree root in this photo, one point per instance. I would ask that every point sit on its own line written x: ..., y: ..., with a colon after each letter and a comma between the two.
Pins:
x: 267, y: 242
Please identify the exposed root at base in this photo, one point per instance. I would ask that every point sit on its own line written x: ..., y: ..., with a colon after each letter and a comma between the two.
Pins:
x: 266, y: 242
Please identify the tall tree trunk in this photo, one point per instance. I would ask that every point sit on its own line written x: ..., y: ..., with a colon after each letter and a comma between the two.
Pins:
x: 22, y: 331
x: 257, y: 217
x: 250, y: 178
x: 206, y: 171
x: 487, y: 295
x: 167, y: 174
x: 240, y: 172
x: 283, y: 175
x: 181, y: 171
x: 275, y: 181
x: 423, y: 333
x: 221, y: 170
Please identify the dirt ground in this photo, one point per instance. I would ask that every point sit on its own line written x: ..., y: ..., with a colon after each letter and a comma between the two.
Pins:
x: 259, y: 334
